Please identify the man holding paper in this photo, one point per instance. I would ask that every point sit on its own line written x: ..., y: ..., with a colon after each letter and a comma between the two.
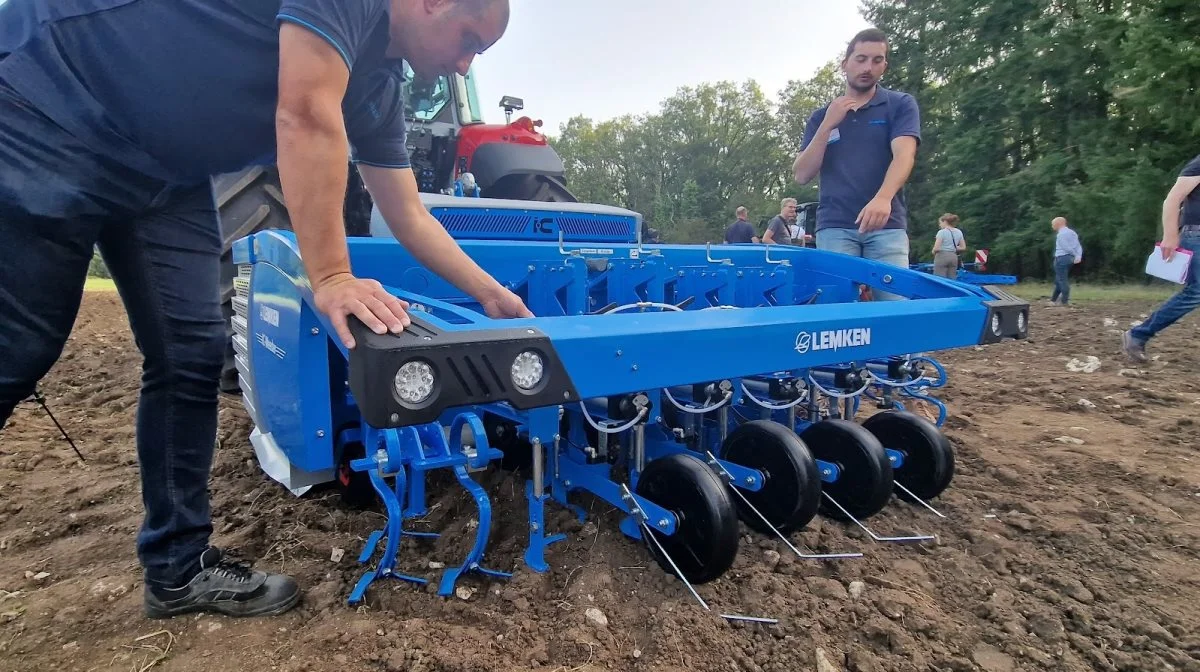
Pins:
x: 1181, y: 231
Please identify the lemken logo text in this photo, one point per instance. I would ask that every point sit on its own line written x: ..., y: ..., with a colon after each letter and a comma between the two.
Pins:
x: 832, y: 339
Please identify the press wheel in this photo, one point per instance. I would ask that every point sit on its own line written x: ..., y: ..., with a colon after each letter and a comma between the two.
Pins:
x: 865, y: 482
x: 791, y: 492
x: 928, y: 463
x: 706, y: 535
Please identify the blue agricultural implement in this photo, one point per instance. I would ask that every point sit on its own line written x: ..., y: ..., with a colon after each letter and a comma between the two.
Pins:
x: 687, y: 386
x: 970, y: 274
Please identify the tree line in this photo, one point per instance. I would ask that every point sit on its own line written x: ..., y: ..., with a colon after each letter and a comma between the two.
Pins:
x: 1030, y: 109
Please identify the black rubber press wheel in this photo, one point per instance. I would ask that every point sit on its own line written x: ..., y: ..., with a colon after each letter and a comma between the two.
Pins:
x: 791, y: 492
x: 928, y: 463
x: 865, y: 482
x: 706, y: 537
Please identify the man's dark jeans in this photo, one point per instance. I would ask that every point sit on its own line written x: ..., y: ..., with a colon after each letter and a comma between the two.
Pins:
x: 1062, y: 282
x: 162, y: 246
x: 1185, y: 300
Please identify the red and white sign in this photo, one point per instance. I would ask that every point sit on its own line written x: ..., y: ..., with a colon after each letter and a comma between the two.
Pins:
x: 981, y: 257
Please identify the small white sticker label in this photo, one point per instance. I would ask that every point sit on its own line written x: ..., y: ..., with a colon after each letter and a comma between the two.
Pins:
x: 269, y: 315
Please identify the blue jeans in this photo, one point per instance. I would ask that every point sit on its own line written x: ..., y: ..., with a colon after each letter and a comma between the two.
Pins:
x: 162, y: 246
x: 1184, y: 301
x: 889, y: 246
x: 1062, y: 282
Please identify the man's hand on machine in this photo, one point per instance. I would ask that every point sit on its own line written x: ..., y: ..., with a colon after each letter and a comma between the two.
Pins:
x: 342, y: 294
x: 500, y: 303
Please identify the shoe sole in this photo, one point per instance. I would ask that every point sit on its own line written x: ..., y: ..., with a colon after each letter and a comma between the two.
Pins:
x: 233, y: 609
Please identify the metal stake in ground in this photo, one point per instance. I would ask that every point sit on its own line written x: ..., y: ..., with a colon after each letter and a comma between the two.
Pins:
x: 40, y: 399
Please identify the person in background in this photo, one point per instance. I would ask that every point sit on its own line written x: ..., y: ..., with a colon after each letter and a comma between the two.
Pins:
x: 782, y: 229
x: 1067, y: 253
x: 741, y: 230
x: 1181, y: 231
x: 947, y: 244
x: 863, y: 146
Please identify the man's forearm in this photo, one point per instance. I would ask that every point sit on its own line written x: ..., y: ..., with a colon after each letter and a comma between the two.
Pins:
x: 313, y: 155
x: 427, y: 240
x: 897, y: 174
x: 808, y: 163
x: 1170, y: 218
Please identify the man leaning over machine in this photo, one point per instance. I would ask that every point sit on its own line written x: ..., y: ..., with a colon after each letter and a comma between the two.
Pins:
x: 113, y: 116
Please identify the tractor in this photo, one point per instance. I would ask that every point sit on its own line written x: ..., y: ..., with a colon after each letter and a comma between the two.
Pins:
x: 452, y: 150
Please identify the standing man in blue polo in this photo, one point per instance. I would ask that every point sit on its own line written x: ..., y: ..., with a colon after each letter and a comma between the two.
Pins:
x: 863, y: 145
x: 113, y: 116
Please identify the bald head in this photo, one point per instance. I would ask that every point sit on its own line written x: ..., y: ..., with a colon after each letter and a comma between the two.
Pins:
x: 1058, y: 223
x: 479, y: 8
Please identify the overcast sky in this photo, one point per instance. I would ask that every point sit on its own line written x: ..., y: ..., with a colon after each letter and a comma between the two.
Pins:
x: 605, y: 58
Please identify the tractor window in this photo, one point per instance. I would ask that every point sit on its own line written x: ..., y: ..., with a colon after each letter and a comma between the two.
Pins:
x: 468, y: 110
x: 424, y: 99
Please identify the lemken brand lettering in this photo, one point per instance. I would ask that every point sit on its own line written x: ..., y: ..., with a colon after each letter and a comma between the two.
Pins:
x: 832, y: 339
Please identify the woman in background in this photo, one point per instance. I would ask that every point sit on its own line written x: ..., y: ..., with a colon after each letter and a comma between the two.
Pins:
x: 947, y: 244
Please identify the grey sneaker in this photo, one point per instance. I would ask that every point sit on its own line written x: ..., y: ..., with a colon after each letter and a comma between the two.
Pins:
x: 1133, y: 348
x: 224, y: 587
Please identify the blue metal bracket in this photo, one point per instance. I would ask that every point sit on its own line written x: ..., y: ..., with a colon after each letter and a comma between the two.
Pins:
x: 830, y: 472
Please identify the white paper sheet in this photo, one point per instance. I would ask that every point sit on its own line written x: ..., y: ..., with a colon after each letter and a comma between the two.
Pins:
x: 1175, y: 270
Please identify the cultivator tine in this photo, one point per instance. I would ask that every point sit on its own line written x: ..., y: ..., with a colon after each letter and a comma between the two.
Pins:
x: 452, y: 574
x: 876, y: 537
x: 918, y: 499
x: 648, y: 534
x: 391, y: 496
x: 535, y: 492
x: 716, y: 465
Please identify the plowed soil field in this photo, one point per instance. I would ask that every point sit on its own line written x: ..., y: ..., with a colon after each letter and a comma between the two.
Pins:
x: 1071, y: 542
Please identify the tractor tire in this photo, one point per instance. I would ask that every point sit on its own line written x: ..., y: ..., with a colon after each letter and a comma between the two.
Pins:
x: 252, y: 201
x: 249, y: 201
x: 531, y: 188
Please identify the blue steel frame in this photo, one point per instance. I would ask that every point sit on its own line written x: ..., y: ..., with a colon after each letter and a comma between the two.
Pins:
x: 796, y: 307
x: 968, y: 274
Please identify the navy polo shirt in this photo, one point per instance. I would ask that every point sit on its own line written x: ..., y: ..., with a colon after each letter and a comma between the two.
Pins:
x: 184, y: 89
x: 858, y: 155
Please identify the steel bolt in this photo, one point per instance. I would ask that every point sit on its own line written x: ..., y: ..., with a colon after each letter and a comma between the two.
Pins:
x: 618, y: 353
x: 566, y: 395
x: 315, y: 331
x: 320, y: 433
x: 533, y: 526
x: 634, y: 367
x: 826, y: 472
x: 529, y: 331
x: 663, y: 523
x: 395, y: 417
x: 749, y: 480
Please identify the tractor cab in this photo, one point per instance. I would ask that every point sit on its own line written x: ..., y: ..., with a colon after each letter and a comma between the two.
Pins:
x: 451, y: 147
